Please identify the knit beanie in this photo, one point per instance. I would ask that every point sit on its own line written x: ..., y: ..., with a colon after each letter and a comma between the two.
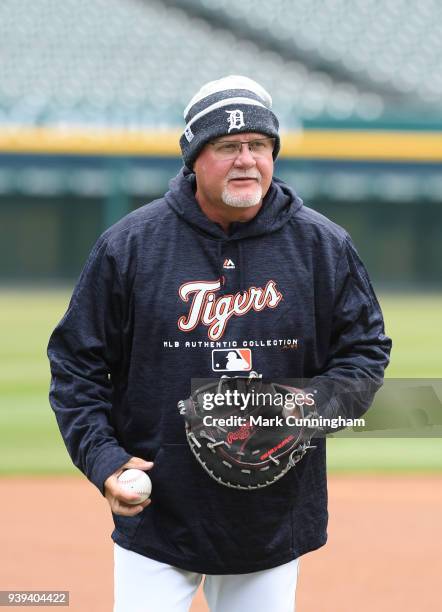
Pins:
x: 230, y: 105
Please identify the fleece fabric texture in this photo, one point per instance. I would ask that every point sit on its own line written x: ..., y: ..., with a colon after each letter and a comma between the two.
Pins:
x: 165, y: 295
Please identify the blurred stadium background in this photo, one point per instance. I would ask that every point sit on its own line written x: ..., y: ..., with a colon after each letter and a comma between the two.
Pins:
x: 91, y: 101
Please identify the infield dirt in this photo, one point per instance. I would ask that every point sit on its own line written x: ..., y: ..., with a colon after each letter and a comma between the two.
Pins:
x: 383, y: 554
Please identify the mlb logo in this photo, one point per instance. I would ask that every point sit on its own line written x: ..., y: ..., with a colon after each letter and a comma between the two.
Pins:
x: 231, y: 360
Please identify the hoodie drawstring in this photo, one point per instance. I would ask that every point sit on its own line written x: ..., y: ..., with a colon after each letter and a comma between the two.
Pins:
x: 220, y: 263
x: 241, y: 266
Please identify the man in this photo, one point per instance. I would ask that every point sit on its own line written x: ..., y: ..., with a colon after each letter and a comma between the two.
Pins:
x: 229, y: 258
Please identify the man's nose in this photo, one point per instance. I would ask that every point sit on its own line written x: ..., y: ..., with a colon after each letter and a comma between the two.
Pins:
x: 245, y: 157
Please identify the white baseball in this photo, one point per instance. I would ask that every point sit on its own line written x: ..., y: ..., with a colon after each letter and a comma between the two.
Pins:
x: 136, y: 481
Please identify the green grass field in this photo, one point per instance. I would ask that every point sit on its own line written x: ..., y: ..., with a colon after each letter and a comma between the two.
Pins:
x: 31, y: 444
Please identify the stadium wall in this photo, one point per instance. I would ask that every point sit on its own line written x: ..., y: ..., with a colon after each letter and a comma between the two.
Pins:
x: 60, y: 190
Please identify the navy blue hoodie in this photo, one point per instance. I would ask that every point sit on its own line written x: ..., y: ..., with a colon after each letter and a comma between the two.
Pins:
x: 164, y: 296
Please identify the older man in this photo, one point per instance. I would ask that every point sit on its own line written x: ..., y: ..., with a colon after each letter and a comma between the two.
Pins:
x: 230, y: 260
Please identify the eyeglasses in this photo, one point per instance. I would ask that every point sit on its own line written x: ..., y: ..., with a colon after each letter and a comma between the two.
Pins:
x: 229, y: 149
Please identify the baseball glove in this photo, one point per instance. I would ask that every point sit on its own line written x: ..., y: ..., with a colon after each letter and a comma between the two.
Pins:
x: 247, y: 433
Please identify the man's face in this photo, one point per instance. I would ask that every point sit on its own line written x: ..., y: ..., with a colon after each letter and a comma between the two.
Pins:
x: 228, y: 177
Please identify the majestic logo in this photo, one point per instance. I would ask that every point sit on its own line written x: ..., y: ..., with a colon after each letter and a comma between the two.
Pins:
x: 215, y: 312
x: 226, y: 360
x: 235, y: 119
x: 189, y: 134
x: 228, y: 264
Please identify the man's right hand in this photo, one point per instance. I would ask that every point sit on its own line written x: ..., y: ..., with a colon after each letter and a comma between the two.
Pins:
x: 119, y: 499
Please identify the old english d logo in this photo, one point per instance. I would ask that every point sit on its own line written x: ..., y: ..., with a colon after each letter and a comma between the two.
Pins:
x: 235, y: 119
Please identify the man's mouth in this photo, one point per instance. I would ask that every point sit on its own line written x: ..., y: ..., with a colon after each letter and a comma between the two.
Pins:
x: 244, y: 178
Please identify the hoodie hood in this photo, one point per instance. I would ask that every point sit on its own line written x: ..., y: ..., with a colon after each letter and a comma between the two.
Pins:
x: 279, y: 205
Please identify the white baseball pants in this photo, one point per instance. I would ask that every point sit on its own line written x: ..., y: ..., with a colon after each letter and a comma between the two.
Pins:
x: 144, y: 585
